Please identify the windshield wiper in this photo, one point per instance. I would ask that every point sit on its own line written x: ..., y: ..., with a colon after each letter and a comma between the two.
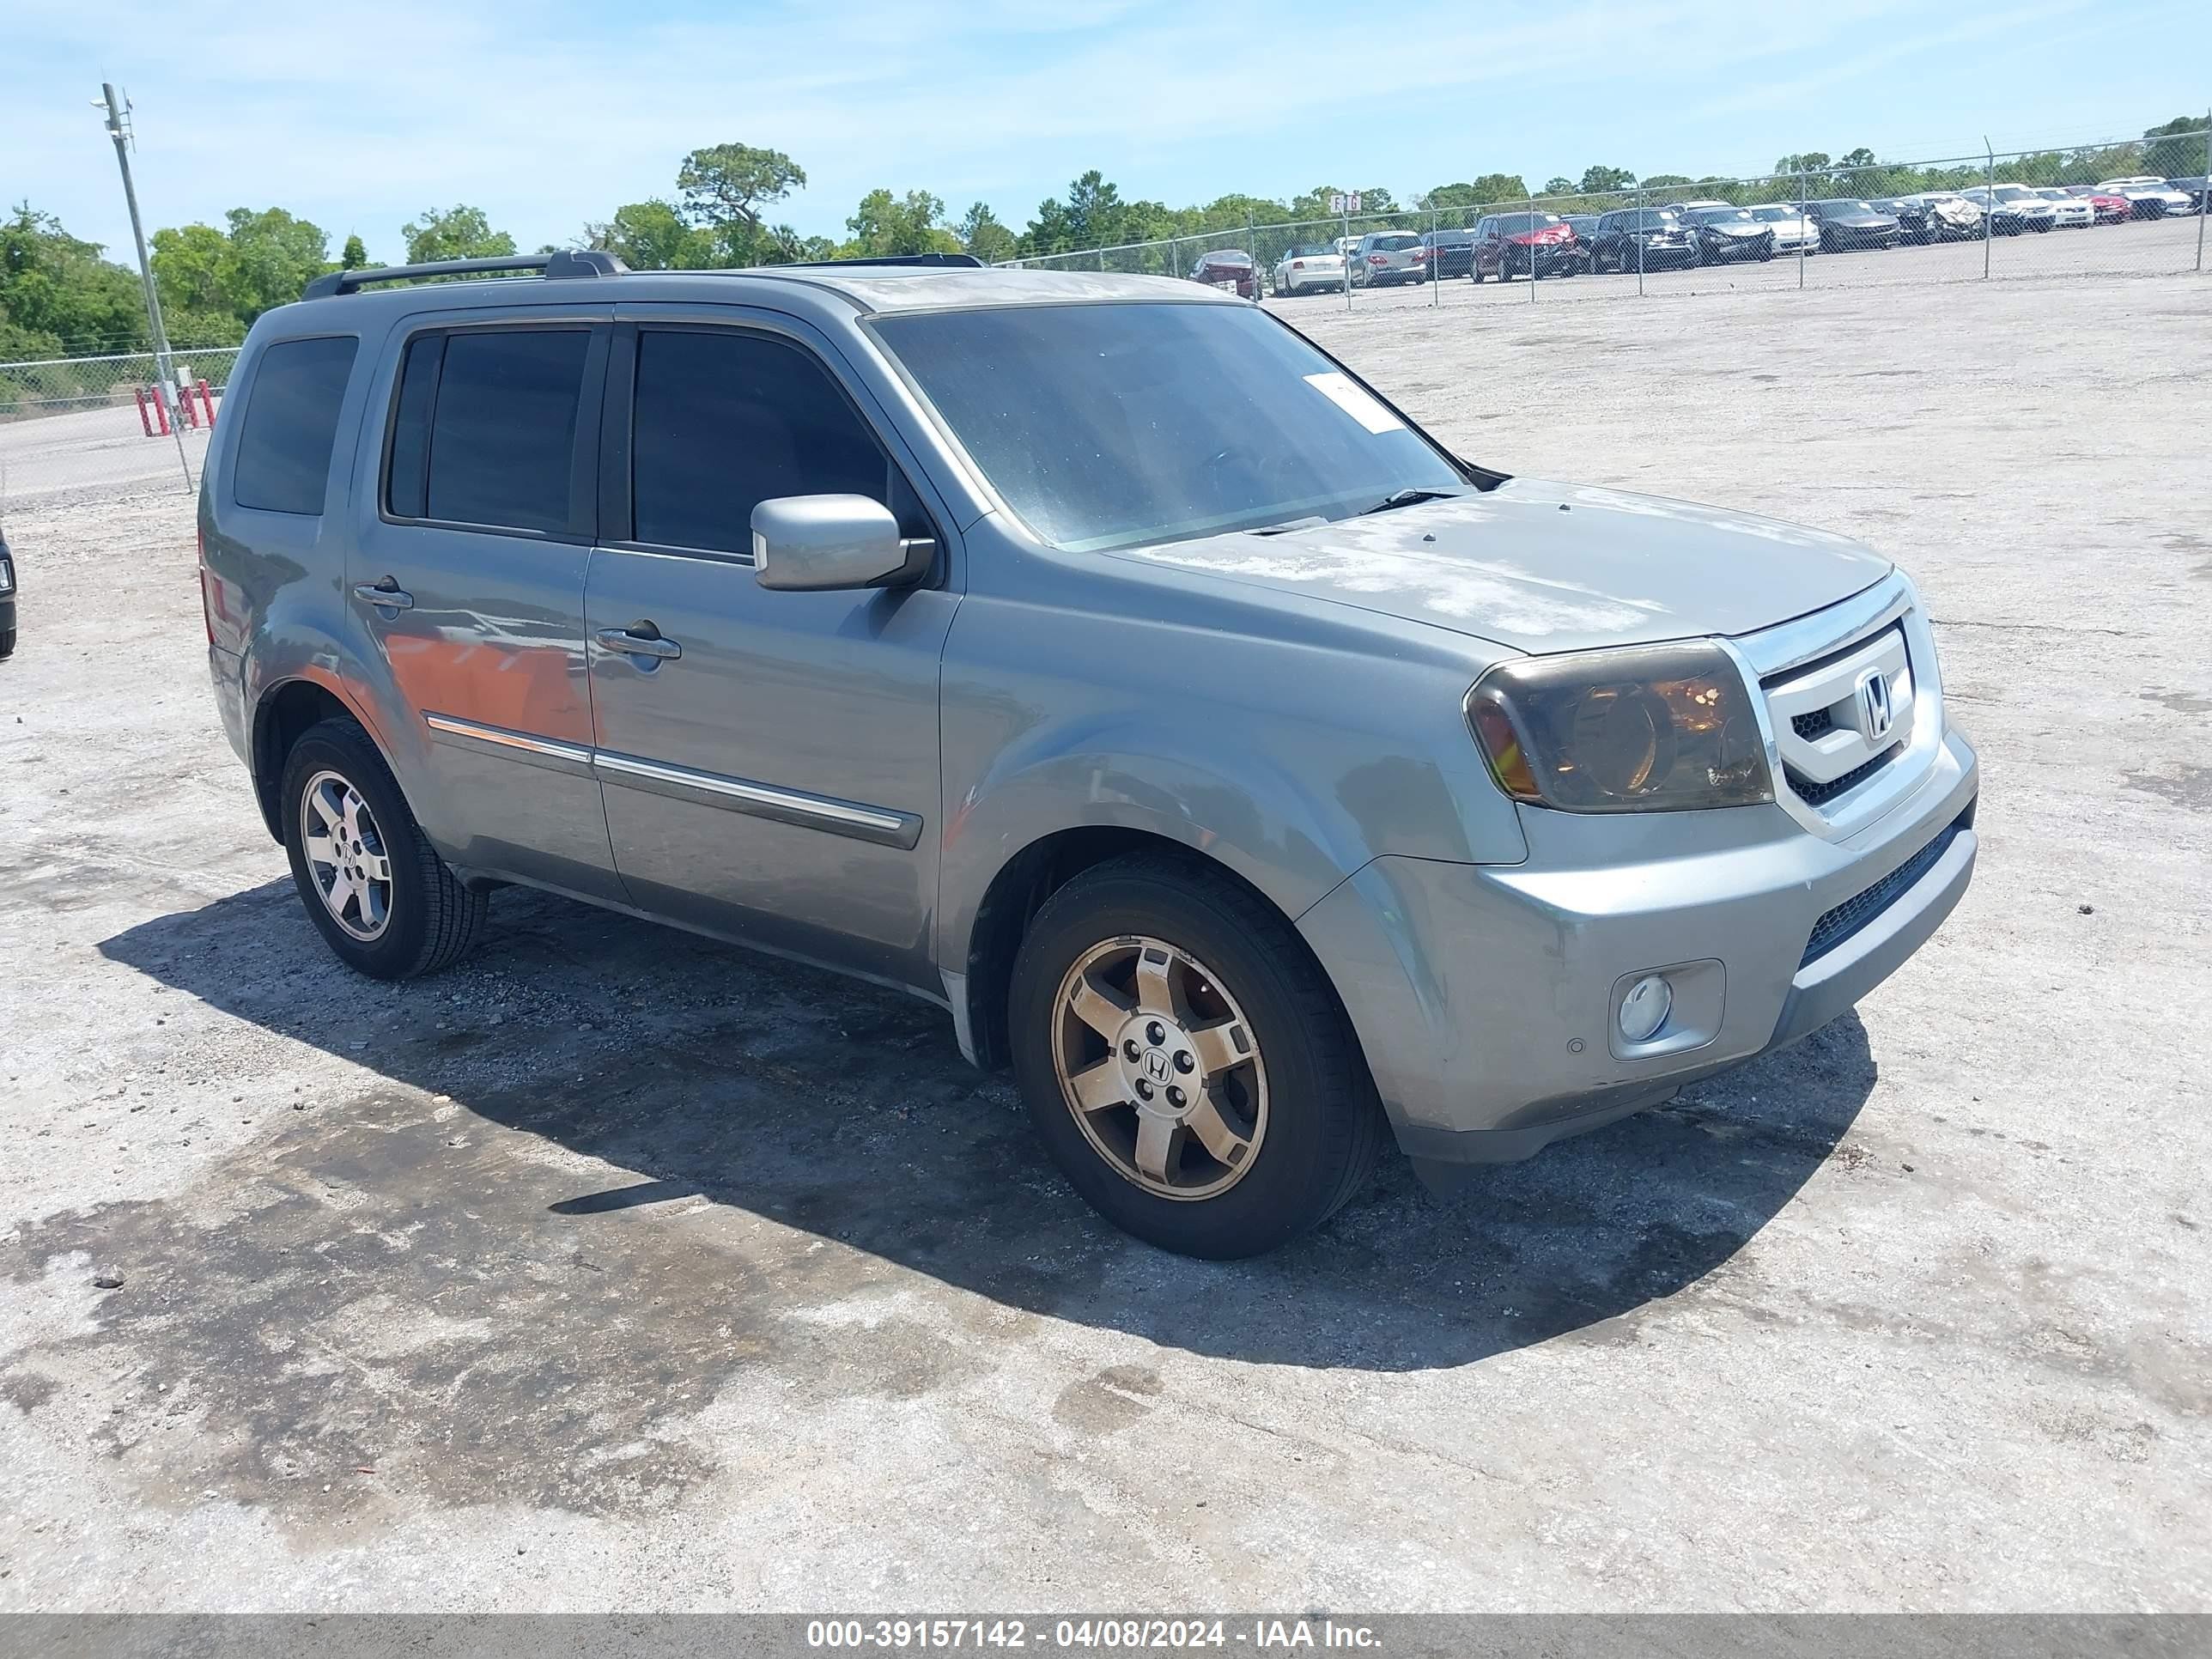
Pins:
x: 1405, y: 498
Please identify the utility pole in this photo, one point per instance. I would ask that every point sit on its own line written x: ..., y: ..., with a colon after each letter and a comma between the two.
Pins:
x: 119, y: 129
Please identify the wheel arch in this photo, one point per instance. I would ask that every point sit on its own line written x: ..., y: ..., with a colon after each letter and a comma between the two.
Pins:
x: 1019, y: 890
x: 283, y: 713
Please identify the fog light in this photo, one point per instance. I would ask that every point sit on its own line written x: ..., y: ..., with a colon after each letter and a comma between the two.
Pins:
x: 1645, y: 1008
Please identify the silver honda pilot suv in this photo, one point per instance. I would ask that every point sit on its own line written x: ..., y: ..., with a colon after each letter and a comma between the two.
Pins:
x: 1093, y: 656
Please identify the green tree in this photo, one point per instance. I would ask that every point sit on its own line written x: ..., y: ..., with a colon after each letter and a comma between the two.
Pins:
x: 56, y: 290
x: 1487, y: 190
x: 884, y: 224
x: 273, y: 257
x: 190, y: 262
x: 1558, y: 185
x: 2175, y: 149
x: 457, y: 233
x: 981, y: 232
x: 727, y: 186
x: 655, y: 235
x: 1604, y: 181
x: 354, y: 255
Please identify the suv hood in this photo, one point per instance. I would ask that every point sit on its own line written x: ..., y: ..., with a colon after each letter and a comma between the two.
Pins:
x: 1547, y: 567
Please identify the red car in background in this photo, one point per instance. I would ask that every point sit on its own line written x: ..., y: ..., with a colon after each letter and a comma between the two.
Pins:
x: 1526, y: 243
x: 2111, y: 209
x: 1231, y: 269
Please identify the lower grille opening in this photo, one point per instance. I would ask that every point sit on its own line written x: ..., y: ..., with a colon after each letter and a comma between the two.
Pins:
x: 1855, y: 913
x: 1818, y: 794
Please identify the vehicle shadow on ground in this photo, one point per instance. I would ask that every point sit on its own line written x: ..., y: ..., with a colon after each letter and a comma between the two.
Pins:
x: 587, y: 1079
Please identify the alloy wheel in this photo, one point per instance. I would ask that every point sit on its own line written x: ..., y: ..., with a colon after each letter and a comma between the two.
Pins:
x: 346, y: 856
x: 1160, y: 1068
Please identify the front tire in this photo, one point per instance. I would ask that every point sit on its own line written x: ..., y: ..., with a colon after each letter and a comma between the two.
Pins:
x: 1185, y: 1061
x: 383, y: 900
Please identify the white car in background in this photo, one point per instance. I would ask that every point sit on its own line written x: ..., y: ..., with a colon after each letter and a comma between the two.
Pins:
x: 2013, y: 208
x: 1308, y: 267
x: 1794, y: 229
x: 2074, y: 212
x: 2151, y: 198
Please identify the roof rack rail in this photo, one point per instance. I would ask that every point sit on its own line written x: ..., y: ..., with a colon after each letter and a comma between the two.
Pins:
x: 965, y: 261
x: 564, y: 263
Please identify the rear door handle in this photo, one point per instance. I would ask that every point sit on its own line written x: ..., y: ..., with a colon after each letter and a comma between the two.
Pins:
x: 640, y: 639
x: 387, y: 594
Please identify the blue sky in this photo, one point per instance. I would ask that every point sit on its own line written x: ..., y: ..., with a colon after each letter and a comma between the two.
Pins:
x: 550, y: 115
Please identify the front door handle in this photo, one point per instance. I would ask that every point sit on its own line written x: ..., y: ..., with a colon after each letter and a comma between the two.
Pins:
x: 387, y: 594
x: 640, y: 639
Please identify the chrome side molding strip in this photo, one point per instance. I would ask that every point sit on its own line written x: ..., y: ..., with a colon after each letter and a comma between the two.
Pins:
x: 809, y: 811
x: 515, y: 745
x: 796, y: 806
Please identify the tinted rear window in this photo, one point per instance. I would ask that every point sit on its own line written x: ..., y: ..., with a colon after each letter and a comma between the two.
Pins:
x: 291, y: 421
x: 502, y: 427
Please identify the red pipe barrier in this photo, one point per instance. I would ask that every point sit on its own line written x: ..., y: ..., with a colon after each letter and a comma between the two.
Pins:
x: 207, y: 403
x: 144, y: 419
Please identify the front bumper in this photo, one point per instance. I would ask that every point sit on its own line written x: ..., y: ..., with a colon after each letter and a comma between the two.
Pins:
x: 1485, y: 997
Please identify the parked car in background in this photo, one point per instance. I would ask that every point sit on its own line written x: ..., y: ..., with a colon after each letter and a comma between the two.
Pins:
x: 7, y: 597
x: 1726, y: 233
x: 2192, y: 188
x: 2074, y: 212
x: 1489, y: 810
x: 1647, y: 239
x: 1794, y: 229
x: 2148, y: 198
x: 1450, y: 252
x: 1915, y: 222
x: 1526, y: 243
x: 1309, y: 267
x: 1229, y: 268
x: 2012, y: 208
x: 1387, y: 259
x: 1848, y: 222
x: 1584, y: 226
x: 2108, y: 209
x: 1952, y: 217
x: 1702, y: 204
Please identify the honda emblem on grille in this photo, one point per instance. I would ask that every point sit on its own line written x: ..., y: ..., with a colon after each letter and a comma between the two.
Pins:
x: 1870, y: 698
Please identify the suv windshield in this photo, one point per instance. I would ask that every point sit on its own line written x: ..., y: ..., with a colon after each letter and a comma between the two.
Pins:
x: 1109, y: 426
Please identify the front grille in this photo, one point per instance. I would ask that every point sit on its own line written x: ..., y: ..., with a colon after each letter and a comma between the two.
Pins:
x: 1820, y: 795
x: 1809, y: 726
x: 1854, y: 914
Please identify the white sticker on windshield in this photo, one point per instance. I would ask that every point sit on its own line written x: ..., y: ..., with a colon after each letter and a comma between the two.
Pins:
x: 1355, y: 402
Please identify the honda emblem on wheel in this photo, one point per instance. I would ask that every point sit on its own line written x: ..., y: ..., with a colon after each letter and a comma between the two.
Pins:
x: 1871, y: 698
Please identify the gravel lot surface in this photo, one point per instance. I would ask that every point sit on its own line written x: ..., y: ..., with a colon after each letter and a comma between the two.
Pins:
x: 619, y: 1269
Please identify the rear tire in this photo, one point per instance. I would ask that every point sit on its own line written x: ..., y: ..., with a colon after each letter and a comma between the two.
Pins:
x: 384, y: 901
x: 6, y: 645
x: 1279, y: 1125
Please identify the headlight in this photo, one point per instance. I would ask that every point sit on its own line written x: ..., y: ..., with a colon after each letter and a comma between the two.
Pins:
x: 1657, y: 728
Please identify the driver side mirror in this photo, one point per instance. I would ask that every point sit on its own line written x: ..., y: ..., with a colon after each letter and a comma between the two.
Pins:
x: 816, y: 543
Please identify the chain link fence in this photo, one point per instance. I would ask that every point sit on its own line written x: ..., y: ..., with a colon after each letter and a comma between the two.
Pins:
x: 2086, y: 211
x: 102, y: 423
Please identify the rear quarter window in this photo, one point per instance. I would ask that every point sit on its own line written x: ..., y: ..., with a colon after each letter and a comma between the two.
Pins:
x: 283, y: 462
